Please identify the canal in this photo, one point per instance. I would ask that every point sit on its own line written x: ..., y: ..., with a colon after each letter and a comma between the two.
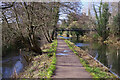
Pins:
x: 107, y: 55
x: 11, y: 63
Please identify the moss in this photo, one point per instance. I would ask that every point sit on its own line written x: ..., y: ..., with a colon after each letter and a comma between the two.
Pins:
x: 96, y: 72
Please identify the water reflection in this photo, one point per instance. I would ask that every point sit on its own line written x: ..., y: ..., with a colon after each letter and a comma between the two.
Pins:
x: 18, y: 66
x: 96, y: 56
x: 107, y: 55
x: 81, y: 44
x: 61, y: 54
x: 65, y: 37
x: 11, y: 63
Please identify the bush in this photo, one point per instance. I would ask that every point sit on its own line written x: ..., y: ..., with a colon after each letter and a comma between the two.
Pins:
x: 96, y: 36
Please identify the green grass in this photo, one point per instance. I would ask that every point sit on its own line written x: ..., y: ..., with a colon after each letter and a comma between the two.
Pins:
x: 51, y: 69
x: 96, y: 72
x: 42, y: 66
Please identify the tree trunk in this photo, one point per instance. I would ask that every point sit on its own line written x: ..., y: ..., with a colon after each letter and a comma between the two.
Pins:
x: 77, y: 37
x: 33, y: 44
x: 46, y: 34
x: 67, y: 33
x: 53, y: 33
x: 50, y: 40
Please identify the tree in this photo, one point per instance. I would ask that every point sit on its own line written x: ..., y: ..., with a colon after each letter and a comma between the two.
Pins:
x: 24, y: 28
x: 31, y: 23
x: 56, y: 18
x: 116, y: 23
x: 5, y: 6
x: 102, y: 20
x: 28, y: 19
x: 64, y: 8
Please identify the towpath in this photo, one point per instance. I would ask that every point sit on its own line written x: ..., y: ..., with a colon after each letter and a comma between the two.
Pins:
x: 68, y: 64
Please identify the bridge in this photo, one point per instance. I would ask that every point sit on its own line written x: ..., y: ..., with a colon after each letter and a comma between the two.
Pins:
x: 83, y: 30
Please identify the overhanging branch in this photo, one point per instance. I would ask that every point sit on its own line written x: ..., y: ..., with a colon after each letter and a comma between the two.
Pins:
x: 8, y: 6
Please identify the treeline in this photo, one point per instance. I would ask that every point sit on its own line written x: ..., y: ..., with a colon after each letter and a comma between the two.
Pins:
x: 29, y: 24
x: 103, y: 25
x: 99, y: 21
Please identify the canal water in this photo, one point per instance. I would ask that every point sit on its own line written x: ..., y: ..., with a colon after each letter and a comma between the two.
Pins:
x: 11, y: 63
x: 109, y: 56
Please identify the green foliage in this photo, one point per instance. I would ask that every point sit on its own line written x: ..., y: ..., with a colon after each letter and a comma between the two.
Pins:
x: 52, y: 50
x: 43, y: 66
x: 116, y: 22
x: 50, y: 55
x: 102, y: 20
x: 64, y: 24
x: 96, y: 36
x: 54, y: 61
x: 61, y: 32
x: 52, y: 67
x: 74, y: 24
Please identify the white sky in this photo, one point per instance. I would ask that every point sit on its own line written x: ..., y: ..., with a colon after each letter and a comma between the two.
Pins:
x: 62, y: 0
x: 85, y: 7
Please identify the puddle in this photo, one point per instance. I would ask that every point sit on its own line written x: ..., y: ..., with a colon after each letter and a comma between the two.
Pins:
x: 61, y: 54
x: 66, y: 51
x: 81, y: 44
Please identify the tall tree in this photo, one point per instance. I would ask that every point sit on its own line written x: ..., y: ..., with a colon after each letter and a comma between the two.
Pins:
x: 102, y: 20
x: 116, y: 23
x: 31, y: 20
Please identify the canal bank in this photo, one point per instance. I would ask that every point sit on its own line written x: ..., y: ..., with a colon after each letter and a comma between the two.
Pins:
x: 40, y: 66
x: 10, y: 63
x: 93, y: 66
x: 107, y: 54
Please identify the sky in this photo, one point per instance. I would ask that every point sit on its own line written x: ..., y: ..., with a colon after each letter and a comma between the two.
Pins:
x: 85, y: 6
x: 84, y: 9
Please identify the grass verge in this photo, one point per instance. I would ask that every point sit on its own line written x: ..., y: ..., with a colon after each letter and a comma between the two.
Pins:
x: 52, y: 67
x: 96, y: 69
x: 42, y: 66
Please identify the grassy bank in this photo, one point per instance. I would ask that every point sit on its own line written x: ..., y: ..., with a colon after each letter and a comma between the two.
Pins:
x: 42, y: 66
x: 96, y: 69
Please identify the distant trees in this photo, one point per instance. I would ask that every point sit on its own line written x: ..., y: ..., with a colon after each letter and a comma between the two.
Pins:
x: 102, y: 20
x: 78, y: 21
x: 116, y: 21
